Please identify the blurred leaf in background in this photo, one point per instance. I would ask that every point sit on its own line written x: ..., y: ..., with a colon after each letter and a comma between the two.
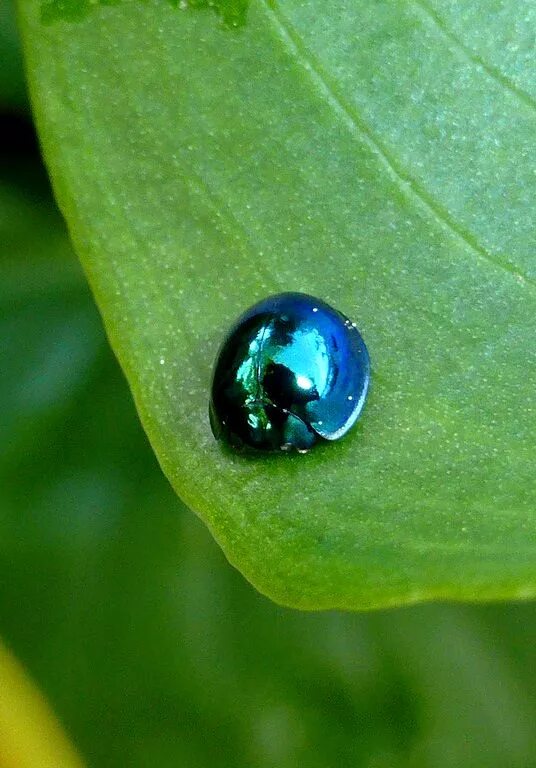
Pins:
x: 12, y: 87
x: 150, y: 647
x: 29, y: 733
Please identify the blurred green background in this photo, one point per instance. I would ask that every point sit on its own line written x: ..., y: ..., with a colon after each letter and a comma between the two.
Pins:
x: 153, y: 650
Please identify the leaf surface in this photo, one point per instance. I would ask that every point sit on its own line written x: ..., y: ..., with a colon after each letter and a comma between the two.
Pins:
x: 153, y: 651
x: 380, y: 156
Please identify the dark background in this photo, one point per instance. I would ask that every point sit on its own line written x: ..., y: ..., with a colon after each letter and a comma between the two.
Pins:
x: 151, y: 648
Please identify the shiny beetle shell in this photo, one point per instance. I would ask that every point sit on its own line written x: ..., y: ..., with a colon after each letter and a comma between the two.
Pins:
x: 291, y: 372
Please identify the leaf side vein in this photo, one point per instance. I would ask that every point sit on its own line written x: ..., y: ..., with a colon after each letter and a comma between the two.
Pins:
x: 356, y: 124
x: 474, y: 58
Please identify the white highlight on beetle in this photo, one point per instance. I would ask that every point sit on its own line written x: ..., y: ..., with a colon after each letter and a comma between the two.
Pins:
x: 304, y: 382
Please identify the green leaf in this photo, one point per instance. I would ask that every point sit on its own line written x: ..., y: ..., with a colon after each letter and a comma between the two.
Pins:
x: 150, y: 648
x: 377, y: 155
